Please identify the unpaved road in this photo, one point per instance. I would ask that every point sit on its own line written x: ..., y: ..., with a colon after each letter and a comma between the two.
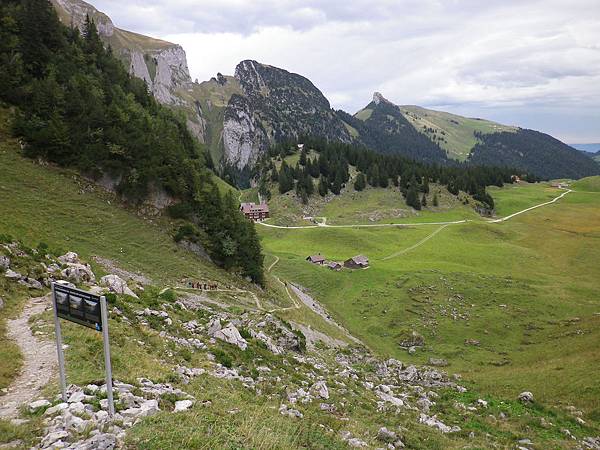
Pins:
x: 39, y: 360
x: 323, y: 224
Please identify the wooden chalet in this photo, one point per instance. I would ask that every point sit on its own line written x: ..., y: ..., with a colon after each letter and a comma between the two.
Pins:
x: 255, y: 212
x: 335, y: 266
x: 316, y: 259
x: 357, y: 262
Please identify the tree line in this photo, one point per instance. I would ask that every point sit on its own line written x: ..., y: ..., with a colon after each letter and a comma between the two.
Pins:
x: 329, y: 171
x: 77, y: 106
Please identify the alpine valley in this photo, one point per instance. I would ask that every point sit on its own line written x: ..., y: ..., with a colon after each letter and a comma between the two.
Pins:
x: 272, y: 273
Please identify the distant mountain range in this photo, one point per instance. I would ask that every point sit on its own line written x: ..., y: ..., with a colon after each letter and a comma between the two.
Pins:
x: 590, y: 148
x: 239, y: 116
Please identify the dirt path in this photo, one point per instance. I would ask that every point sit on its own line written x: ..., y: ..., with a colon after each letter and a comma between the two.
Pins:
x: 273, y: 265
x: 504, y: 219
x: 412, y: 247
x: 39, y: 360
x: 375, y: 225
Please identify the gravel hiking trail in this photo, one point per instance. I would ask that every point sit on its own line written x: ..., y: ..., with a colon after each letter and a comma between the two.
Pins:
x: 39, y: 360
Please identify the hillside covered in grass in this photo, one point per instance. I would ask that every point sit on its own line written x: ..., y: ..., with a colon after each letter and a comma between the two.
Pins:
x: 293, y: 378
x: 500, y: 303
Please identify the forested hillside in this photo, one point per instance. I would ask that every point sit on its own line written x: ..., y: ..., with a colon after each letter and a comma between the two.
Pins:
x: 382, y: 127
x: 329, y: 171
x: 538, y: 152
x: 76, y: 105
x: 426, y: 135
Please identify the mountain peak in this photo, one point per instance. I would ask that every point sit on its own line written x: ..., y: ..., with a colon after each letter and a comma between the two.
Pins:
x: 378, y: 98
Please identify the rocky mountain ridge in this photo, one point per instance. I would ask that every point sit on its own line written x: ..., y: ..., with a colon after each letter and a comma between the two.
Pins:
x: 239, y: 116
x: 276, y: 105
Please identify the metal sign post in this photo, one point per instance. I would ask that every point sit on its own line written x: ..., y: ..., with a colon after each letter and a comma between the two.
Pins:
x: 59, y: 348
x: 107, y: 365
x: 90, y: 311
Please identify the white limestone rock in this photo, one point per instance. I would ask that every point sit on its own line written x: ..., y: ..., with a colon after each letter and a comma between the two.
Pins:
x: 183, y: 405
x: 38, y: 404
x: 231, y: 335
x: 117, y: 285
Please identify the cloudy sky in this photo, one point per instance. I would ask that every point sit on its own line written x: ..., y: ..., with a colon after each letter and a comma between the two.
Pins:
x: 530, y: 63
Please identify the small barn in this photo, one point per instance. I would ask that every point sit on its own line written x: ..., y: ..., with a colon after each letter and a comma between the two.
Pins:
x: 357, y: 262
x: 335, y: 266
x: 316, y: 259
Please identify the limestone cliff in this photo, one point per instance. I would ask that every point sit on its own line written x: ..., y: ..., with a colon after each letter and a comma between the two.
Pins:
x: 276, y: 105
x: 162, y: 64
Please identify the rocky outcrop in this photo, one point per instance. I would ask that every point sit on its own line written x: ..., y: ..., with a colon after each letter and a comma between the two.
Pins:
x: 162, y: 65
x: 276, y: 105
x: 76, y: 12
x: 164, y: 69
x: 243, y: 137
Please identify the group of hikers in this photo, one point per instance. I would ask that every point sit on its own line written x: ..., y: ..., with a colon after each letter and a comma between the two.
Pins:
x: 202, y: 286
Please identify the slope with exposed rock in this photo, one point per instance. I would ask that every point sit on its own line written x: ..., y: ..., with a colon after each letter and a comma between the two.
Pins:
x: 161, y: 64
x: 238, y: 117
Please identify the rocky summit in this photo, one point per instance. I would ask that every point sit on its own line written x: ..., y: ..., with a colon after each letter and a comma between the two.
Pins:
x: 275, y: 105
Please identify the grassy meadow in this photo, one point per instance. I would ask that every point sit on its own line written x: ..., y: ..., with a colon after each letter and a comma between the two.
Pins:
x: 511, y: 306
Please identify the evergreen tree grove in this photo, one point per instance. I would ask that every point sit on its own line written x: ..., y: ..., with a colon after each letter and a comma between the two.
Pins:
x: 77, y: 106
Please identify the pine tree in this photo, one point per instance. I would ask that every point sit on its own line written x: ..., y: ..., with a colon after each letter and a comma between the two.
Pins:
x: 424, y: 201
x: 303, y: 157
x: 360, y: 183
x: 323, y: 189
x: 412, y: 198
x: 274, y: 175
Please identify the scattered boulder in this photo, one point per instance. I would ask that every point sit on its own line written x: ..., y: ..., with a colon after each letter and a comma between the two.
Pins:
x: 69, y: 258
x: 38, y: 404
x: 526, y: 397
x: 11, y: 274
x: 231, y: 335
x: 183, y: 405
x: 357, y: 443
x: 320, y: 389
x: 432, y: 421
x: 79, y: 273
x: 412, y: 339
x: 386, y: 435
x: 285, y: 411
x: 474, y: 342
x: 4, y: 262
x: 31, y: 283
x: 438, y: 362
x: 1, y: 303
x: 56, y: 409
x: 117, y: 285
x: 51, y: 438
x: 213, y: 326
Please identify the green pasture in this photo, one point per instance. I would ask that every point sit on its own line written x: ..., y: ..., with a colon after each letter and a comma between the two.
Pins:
x: 589, y: 184
x: 516, y: 197
x: 523, y: 294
